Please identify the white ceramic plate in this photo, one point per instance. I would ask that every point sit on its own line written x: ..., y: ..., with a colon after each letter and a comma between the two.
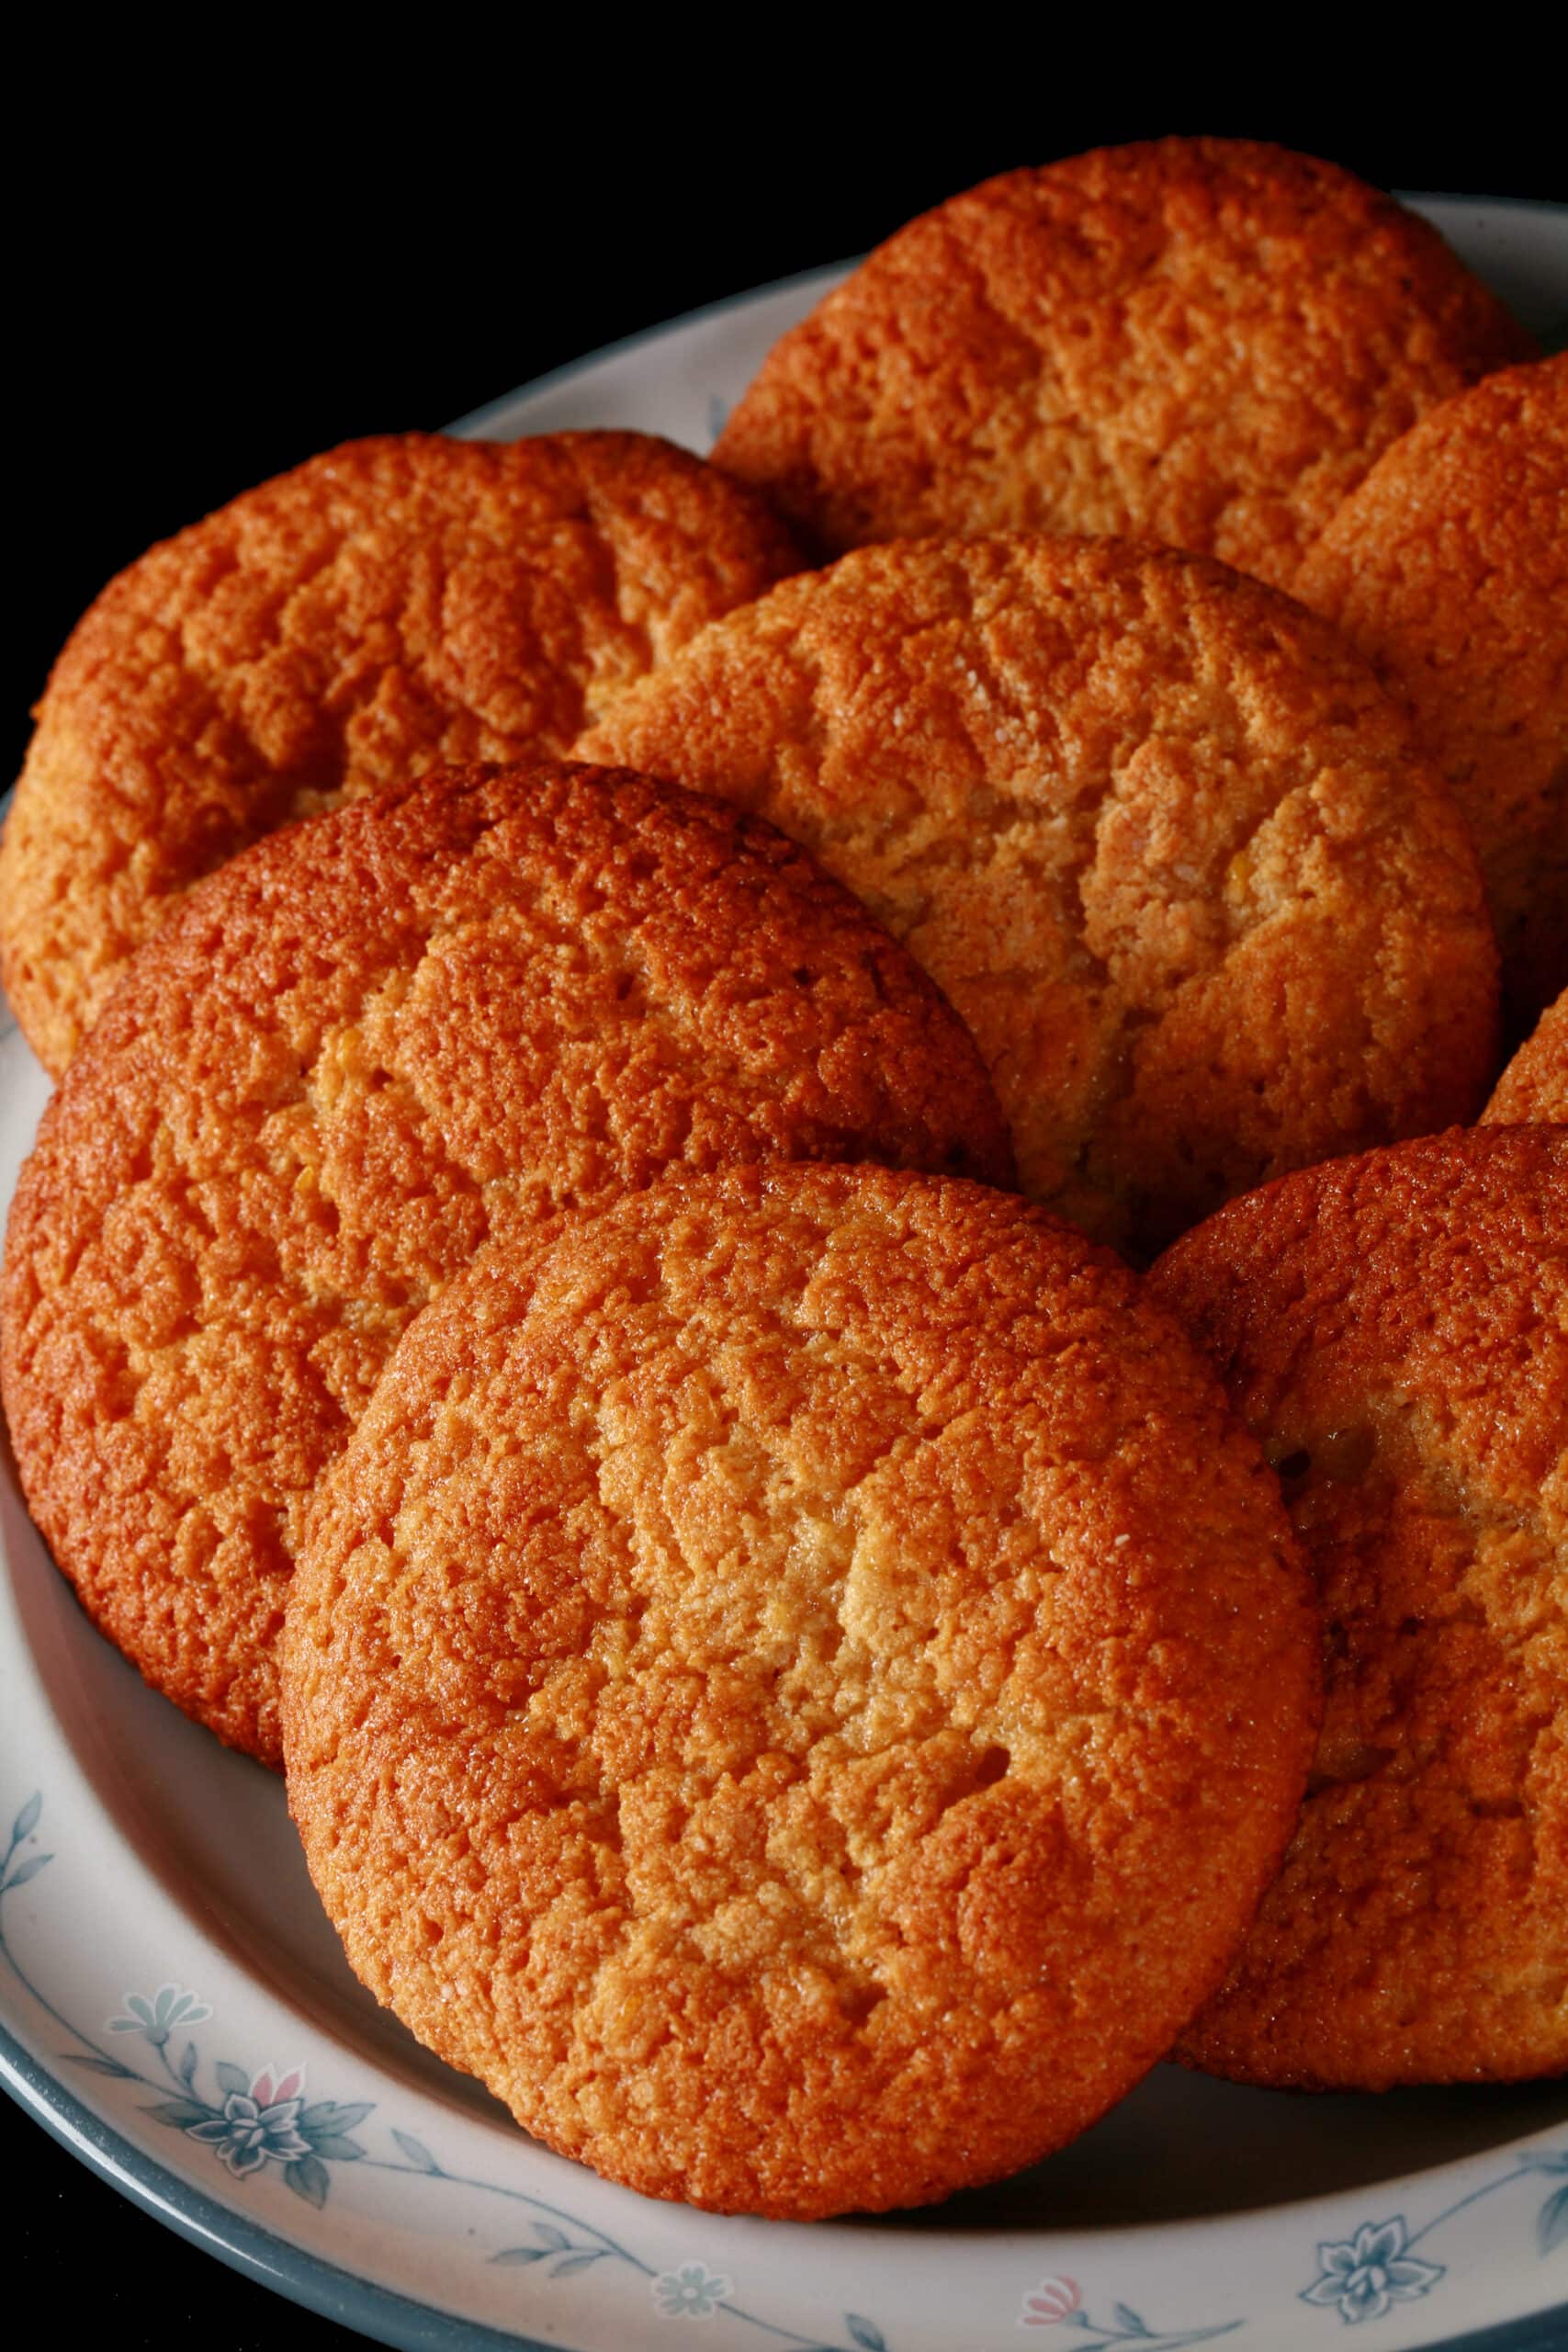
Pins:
x: 166, y: 1975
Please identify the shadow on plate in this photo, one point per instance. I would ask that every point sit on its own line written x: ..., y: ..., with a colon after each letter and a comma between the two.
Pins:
x: 1184, y: 2147
x: 212, y: 1829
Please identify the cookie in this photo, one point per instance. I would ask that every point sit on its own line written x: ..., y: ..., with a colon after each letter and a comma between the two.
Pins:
x: 1533, y: 1090
x: 798, y: 1683
x: 1394, y: 1329
x: 1157, y: 833
x: 1204, y: 341
x: 366, y: 1045
x: 393, y: 606
x: 1448, y: 569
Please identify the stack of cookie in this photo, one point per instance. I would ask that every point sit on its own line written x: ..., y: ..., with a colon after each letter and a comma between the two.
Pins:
x: 575, y: 1292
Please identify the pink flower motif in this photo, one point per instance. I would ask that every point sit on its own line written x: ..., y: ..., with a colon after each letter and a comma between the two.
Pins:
x: 1051, y: 2302
x: 268, y: 2093
x: 257, y: 2126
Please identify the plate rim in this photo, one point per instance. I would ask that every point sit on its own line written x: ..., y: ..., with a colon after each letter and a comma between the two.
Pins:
x: 257, y: 2253
x: 352, y: 2297
x: 468, y: 426
x: 404, y: 2323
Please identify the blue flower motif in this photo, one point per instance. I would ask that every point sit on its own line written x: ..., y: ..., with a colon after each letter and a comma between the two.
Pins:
x: 257, y: 2126
x: 1370, y: 2272
x: 692, y: 2292
x: 157, y: 2017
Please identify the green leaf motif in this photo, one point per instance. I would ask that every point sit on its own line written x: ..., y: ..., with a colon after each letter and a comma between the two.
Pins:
x: 232, y: 2079
x: 416, y: 2151
x: 187, y: 2066
x: 1552, y: 2222
x: 1129, y: 2320
x: 571, y: 2262
x: 336, y: 2146
x: 549, y: 2236
x: 865, y: 2333
x: 326, y: 2115
x: 183, y: 2112
x: 27, y: 1820
x: 516, y: 2255
x: 97, y: 2065
x: 28, y: 1870
x: 307, y: 2178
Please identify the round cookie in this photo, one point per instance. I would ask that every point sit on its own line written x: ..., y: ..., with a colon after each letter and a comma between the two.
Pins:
x: 1448, y: 569
x: 1533, y: 1090
x: 798, y: 1683
x: 369, y: 1044
x: 1394, y: 1329
x: 389, y: 608
x: 1153, y: 830
x: 1204, y: 341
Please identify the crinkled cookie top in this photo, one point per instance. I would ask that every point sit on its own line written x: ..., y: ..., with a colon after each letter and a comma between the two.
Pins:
x: 1448, y: 569
x: 346, y: 1061
x: 1394, y: 1329
x: 1205, y: 341
x: 798, y: 1683
x: 392, y: 606
x: 1533, y: 1090
x: 1158, y: 833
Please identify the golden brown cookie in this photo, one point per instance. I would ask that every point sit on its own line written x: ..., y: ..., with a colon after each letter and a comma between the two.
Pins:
x: 1153, y: 829
x: 1205, y: 341
x: 798, y: 1683
x: 385, y: 609
x: 1394, y: 1329
x: 1533, y: 1090
x: 365, y: 1046
x: 1448, y: 569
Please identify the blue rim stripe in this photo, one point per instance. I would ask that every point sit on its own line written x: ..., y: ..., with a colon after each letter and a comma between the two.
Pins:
x: 379, y: 2311
x: 337, y: 2294
x: 1414, y: 196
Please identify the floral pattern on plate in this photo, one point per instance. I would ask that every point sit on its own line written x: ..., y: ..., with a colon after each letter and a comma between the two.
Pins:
x: 257, y: 2123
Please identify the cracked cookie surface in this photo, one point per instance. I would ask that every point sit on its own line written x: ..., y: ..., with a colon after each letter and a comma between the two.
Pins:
x: 1153, y: 830
x: 395, y: 606
x: 1533, y: 1090
x: 1394, y: 1329
x: 1448, y: 569
x: 798, y: 1683
x: 367, y: 1044
x: 1204, y: 341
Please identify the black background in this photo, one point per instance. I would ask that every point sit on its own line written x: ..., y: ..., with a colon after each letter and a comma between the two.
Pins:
x: 208, y: 292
